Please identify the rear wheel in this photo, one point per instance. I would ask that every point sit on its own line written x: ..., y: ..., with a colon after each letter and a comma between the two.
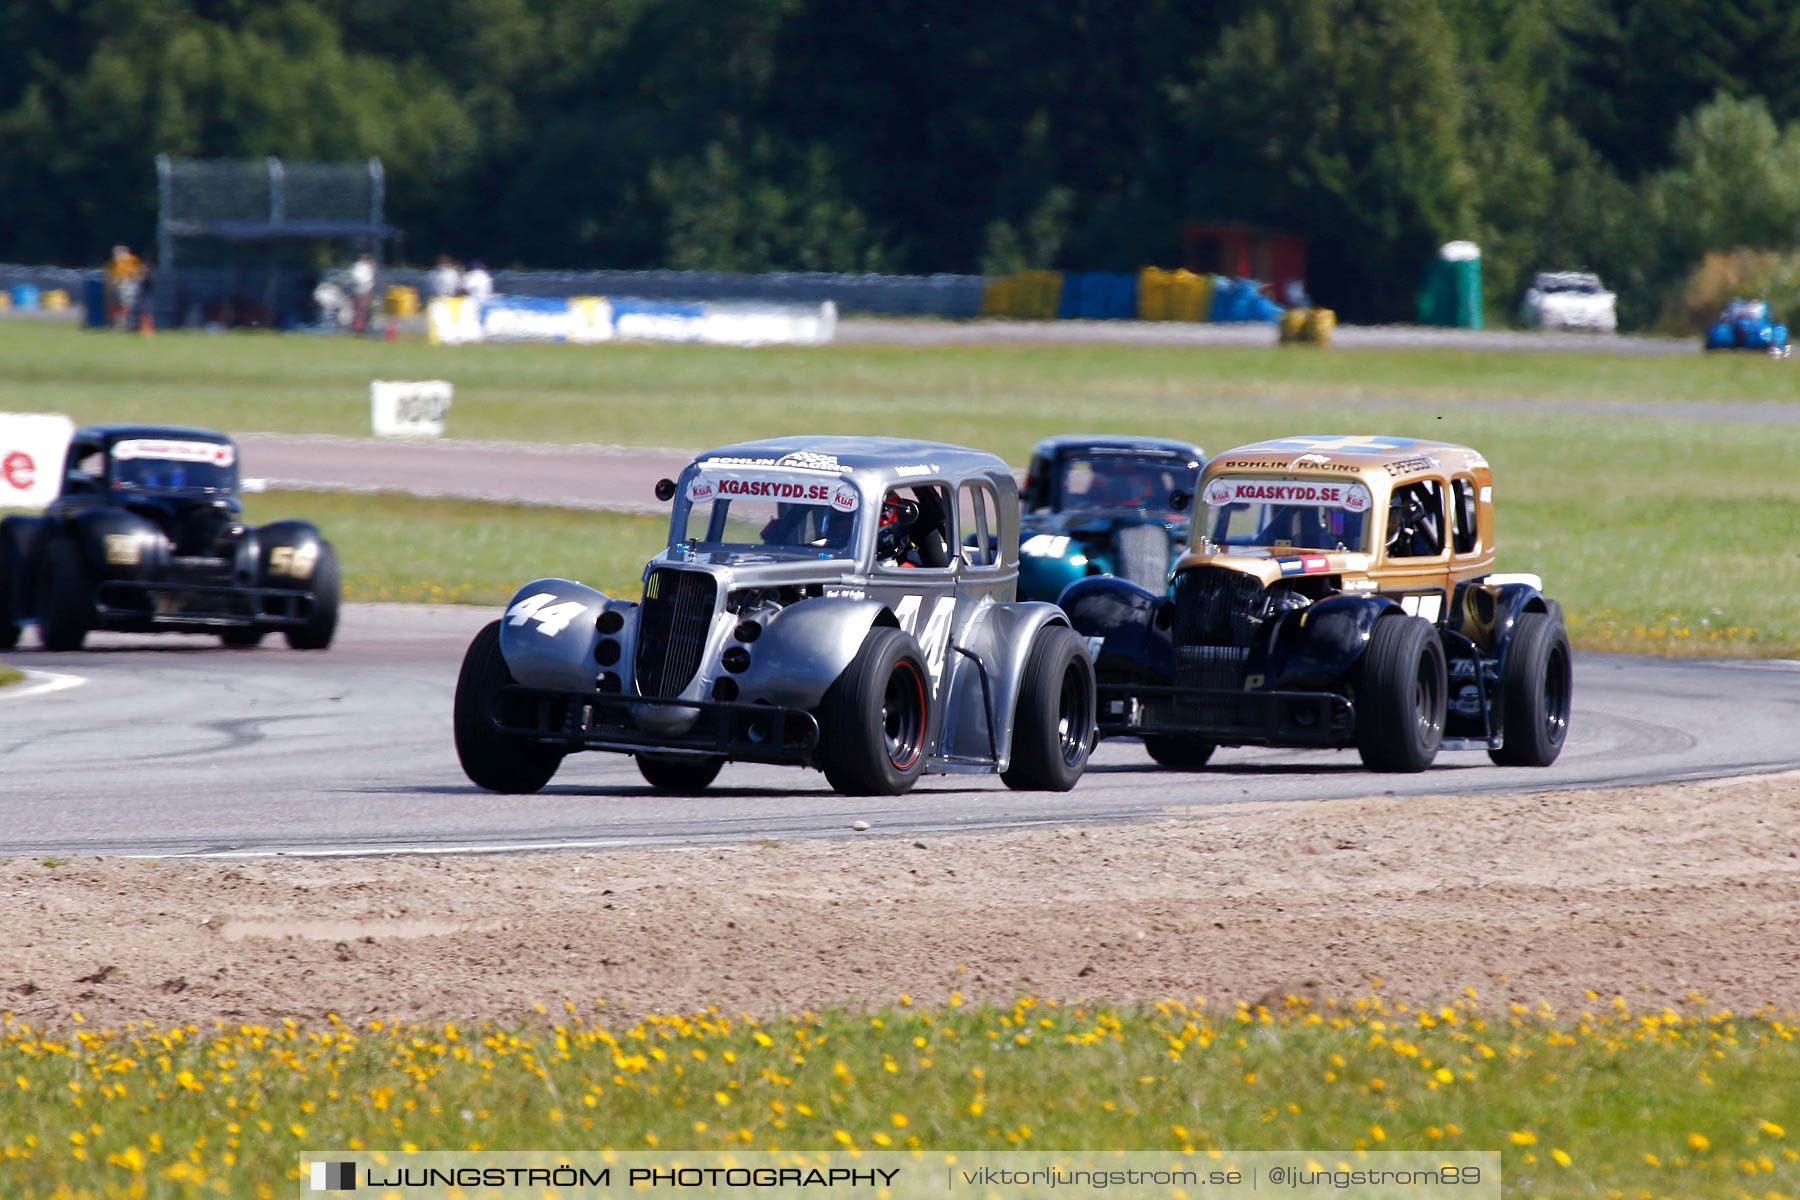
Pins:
x: 1053, y: 723
x: 873, y: 720
x: 321, y: 625
x: 1537, y: 685
x: 667, y: 774
x: 65, y: 596
x: 1400, y: 705
x: 499, y: 762
x: 1179, y: 750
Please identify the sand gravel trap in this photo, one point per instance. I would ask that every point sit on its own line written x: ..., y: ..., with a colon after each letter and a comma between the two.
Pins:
x: 1651, y: 892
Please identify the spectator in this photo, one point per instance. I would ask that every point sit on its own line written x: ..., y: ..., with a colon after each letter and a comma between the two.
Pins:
x: 445, y: 279
x: 477, y: 284
x: 124, y: 274
x: 362, y: 291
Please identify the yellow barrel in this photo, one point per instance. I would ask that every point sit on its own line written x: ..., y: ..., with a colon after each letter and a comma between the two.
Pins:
x: 56, y: 300
x: 1319, y: 324
x: 400, y: 301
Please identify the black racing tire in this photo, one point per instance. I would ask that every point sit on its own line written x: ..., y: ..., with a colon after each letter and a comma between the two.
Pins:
x: 678, y: 774
x: 9, y: 621
x: 1537, y: 687
x: 65, y: 596
x: 875, y: 716
x: 1053, y: 722
x: 499, y: 762
x: 1179, y: 751
x: 242, y: 637
x: 1401, y: 701
x: 327, y: 592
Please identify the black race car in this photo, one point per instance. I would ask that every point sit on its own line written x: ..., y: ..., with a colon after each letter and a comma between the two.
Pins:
x: 147, y: 535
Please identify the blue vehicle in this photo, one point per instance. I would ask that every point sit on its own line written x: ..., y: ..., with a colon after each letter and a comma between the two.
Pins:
x: 1746, y: 325
x: 1104, y: 505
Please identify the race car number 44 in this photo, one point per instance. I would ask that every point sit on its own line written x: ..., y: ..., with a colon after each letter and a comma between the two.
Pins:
x: 552, y: 619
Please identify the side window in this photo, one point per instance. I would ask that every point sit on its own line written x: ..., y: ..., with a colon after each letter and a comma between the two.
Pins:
x: 915, y: 528
x: 1416, y: 520
x: 1036, y: 491
x: 1464, y: 533
x: 978, y: 525
x: 86, y: 470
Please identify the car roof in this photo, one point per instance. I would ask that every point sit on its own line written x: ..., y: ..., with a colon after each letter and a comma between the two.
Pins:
x: 861, y: 455
x: 119, y: 433
x: 1360, y: 452
x: 1117, y: 441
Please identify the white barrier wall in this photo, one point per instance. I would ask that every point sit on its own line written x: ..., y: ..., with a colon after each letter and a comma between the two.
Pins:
x: 32, y: 447
x: 587, y: 319
x: 409, y: 408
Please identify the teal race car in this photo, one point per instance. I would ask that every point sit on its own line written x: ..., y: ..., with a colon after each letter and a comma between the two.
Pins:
x: 1104, y: 504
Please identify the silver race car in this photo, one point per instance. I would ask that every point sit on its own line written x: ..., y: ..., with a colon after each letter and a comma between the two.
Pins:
x: 840, y: 603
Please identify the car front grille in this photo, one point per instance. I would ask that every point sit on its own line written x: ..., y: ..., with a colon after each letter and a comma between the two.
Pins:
x: 1142, y: 554
x: 677, y: 612
x: 1217, y: 607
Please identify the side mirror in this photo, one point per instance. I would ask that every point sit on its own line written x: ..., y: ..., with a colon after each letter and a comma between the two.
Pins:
x: 665, y: 490
x: 1180, y: 499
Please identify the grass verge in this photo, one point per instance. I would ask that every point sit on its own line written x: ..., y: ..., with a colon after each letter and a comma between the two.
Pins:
x: 393, y: 547
x: 9, y: 675
x: 996, y: 396
x: 1694, y: 1103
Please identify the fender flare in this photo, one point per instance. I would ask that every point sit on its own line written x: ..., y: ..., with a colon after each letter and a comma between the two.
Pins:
x: 1126, y: 627
x: 557, y: 650
x: 1000, y: 637
x: 1487, y: 613
x: 1315, y: 646
x: 93, y: 530
x: 806, y: 646
x: 256, y: 551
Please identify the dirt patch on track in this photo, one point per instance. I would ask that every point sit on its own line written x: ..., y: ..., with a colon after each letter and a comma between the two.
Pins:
x: 1652, y: 893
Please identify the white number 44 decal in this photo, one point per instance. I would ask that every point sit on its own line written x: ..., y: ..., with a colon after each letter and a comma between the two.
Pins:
x: 552, y: 619
x: 934, y: 640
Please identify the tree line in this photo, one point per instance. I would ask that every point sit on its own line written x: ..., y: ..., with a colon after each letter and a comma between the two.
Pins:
x: 1630, y: 137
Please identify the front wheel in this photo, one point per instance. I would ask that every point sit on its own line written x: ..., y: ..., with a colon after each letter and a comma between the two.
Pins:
x: 1179, y: 751
x: 9, y: 622
x: 65, y: 595
x: 874, y: 717
x: 1536, y: 687
x: 1053, y: 723
x: 1400, y: 705
x: 499, y: 762
x: 321, y: 624
x: 678, y: 774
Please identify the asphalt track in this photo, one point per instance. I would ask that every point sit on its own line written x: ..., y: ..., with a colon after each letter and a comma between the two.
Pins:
x: 176, y: 746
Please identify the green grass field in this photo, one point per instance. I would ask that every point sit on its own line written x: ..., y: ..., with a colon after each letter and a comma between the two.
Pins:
x: 1610, y: 1102
x: 463, y: 552
x: 1671, y: 535
x: 9, y: 675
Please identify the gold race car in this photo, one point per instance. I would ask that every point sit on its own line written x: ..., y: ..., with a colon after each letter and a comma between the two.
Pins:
x: 1338, y: 592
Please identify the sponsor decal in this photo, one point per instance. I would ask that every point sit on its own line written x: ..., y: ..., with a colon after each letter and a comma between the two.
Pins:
x: 1309, y: 460
x: 219, y: 454
x: 1223, y: 490
x: 914, y: 472
x: 841, y: 496
x: 1310, y: 564
x: 1407, y: 466
x: 804, y: 460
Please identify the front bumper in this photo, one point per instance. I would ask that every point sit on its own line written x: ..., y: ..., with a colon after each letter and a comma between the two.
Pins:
x: 1231, y: 718
x: 589, y: 720
x: 132, y: 605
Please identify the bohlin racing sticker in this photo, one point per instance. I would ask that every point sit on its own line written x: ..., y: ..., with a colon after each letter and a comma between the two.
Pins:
x: 218, y: 453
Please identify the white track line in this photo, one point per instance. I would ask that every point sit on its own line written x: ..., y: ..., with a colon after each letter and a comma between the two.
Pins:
x: 41, y: 683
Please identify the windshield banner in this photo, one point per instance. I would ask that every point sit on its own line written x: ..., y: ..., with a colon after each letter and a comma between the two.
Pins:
x: 1352, y: 497
x: 801, y: 489
x: 219, y: 454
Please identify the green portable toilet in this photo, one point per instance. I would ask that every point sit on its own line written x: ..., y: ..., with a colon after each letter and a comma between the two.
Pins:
x: 1452, y: 291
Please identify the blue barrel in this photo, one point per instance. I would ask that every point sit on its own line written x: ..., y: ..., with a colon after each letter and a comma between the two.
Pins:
x: 25, y: 295
x: 93, y: 303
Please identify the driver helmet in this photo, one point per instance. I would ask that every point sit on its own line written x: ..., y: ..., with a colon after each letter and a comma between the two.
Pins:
x: 1405, y: 510
x: 890, y: 539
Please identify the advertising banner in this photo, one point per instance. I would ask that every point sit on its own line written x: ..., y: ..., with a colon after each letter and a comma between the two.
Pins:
x: 32, y: 446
